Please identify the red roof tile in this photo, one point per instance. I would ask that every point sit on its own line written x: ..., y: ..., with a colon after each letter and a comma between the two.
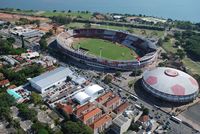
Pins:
x: 112, y: 101
x: 91, y: 114
x: 104, y: 119
x: 121, y: 108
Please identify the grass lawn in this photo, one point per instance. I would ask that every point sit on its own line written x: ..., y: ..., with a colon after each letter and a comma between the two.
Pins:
x: 168, y: 46
x: 192, y: 65
x: 149, y: 33
x: 71, y: 14
x: 108, y: 49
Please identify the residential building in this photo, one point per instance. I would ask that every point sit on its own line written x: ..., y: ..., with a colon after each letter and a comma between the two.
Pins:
x: 100, y: 125
x: 91, y: 116
x: 121, y: 124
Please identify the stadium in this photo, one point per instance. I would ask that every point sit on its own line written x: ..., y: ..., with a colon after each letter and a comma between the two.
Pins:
x: 170, y: 84
x: 107, y: 49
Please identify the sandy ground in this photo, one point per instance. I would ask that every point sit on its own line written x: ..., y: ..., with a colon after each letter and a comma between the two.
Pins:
x: 15, y: 17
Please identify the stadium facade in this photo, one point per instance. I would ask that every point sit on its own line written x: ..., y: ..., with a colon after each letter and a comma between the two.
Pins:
x: 170, y: 84
x: 147, y: 49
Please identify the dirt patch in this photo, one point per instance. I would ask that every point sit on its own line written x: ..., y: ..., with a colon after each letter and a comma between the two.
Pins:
x: 15, y: 17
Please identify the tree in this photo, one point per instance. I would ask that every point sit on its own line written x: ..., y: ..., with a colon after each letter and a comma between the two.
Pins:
x: 108, y: 79
x: 118, y: 74
x: 25, y: 112
x: 43, y: 43
x: 180, y: 53
x: 36, y: 98
x: 71, y: 127
x: 145, y: 111
x: 87, y: 25
x: 11, y: 40
x: 134, y: 127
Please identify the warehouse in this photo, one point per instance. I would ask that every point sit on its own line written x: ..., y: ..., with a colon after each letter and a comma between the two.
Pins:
x: 46, y: 81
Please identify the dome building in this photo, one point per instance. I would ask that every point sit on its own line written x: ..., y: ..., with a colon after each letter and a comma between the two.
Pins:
x: 170, y: 84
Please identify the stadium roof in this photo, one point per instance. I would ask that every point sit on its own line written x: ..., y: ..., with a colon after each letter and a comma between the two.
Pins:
x: 48, y: 78
x: 171, y: 81
x: 92, y: 90
x: 81, y: 97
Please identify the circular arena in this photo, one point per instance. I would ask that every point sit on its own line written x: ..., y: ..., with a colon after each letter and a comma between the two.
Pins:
x: 170, y: 84
x: 120, y: 50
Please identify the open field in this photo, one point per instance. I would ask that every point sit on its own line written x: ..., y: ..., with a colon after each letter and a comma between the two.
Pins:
x: 15, y: 17
x: 168, y: 46
x: 143, y: 32
x: 106, y: 49
x: 192, y: 65
x: 70, y: 14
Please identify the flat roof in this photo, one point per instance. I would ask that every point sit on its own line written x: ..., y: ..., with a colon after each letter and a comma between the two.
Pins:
x: 48, y: 78
x: 120, y: 120
x: 81, y: 97
x: 93, y: 89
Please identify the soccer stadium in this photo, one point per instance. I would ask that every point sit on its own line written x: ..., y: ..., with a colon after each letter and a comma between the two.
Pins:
x: 107, y: 49
x: 170, y: 84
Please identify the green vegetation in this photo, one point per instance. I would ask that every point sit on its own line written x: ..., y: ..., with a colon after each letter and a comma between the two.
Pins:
x: 169, y: 46
x: 144, y: 32
x: 36, y: 98
x: 105, y: 49
x: 6, y: 101
x: 24, y: 21
x: 40, y: 128
x: 7, y: 48
x: 25, y: 112
x: 61, y: 19
x: 20, y: 77
x: 108, y: 79
x: 71, y: 127
x: 83, y: 15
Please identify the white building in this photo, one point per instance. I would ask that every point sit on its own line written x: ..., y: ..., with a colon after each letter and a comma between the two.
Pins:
x: 121, y: 124
x: 82, y: 97
x: 94, y: 91
x: 26, y: 32
x: 45, y: 81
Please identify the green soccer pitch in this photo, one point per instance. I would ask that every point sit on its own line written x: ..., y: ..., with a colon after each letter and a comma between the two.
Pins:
x: 105, y: 49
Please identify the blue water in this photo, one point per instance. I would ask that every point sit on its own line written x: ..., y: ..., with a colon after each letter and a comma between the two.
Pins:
x: 174, y: 9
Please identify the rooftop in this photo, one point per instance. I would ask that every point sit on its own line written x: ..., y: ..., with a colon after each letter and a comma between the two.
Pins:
x: 83, y: 108
x: 101, y: 121
x: 93, y: 89
x: 4, y: 82
x: 121, y: 108
x: 104, y: 97
x: 81, y: 97
x: 112, y: 101
x: 91, y: 114
x: 46, y: 79
x: 120, y: 120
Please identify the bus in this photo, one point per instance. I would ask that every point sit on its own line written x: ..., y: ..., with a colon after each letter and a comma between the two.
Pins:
x: 133, y: 97
x: 176, y: 119
x: 138, y: 106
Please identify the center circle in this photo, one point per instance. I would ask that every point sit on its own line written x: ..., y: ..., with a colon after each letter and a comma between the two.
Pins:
x: 171, y: 73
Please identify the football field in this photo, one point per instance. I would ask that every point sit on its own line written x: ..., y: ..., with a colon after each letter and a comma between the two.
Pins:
x: 105, y: 49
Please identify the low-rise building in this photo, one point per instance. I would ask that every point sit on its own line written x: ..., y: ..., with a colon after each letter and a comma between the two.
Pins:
x: 4, y: 83
x: 46, y: 81
x: 112, y: 103
x: 121, y: 124
x: 91, y: 116
x: 102, y: 124
x: 121, y: 108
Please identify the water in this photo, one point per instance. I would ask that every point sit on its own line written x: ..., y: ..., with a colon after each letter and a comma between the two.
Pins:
x: 174, y: 9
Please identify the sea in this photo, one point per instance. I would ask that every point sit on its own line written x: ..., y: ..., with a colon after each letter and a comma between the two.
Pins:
x: 187, y: 10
